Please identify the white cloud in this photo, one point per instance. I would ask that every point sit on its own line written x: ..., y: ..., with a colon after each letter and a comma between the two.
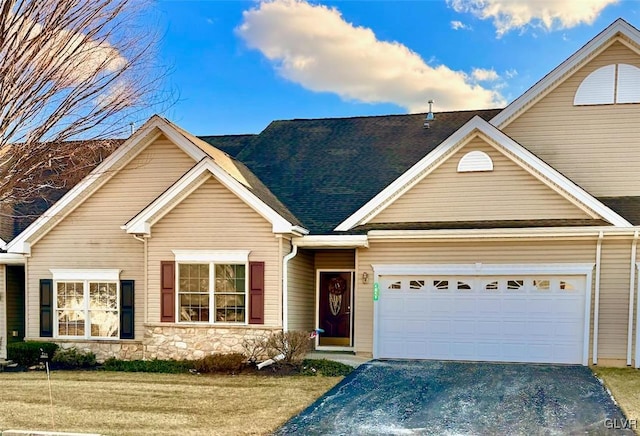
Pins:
x: 482, y: 75
x: 510, y: 74
x: 458, y: 25
x: 312, y: 45
x: 71, y: 57
x: 518, y: 14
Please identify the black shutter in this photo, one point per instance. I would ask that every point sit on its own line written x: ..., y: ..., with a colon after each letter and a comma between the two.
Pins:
x: 127, y: 298
x: 256, y: 292
x: 46, y: 308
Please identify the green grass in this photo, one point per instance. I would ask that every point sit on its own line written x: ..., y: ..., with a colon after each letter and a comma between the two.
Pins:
x: 624, y: 384
x: 141, y: 403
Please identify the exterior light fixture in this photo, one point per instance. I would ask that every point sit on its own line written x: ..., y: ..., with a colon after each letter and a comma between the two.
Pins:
x: 365, y: 278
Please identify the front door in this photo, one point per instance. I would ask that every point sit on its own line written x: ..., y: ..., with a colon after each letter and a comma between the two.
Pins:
x: 334, y: 308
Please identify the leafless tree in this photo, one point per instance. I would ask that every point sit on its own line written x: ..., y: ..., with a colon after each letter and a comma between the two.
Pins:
x: 71, y: 72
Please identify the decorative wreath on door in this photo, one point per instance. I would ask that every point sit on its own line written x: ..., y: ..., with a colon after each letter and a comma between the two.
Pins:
x: 337, y: 288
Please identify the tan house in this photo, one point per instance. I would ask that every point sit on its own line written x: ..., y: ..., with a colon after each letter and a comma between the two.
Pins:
x: 496, y: 235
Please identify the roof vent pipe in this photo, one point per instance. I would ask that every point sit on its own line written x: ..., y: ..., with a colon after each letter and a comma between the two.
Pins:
x: 430, y: 116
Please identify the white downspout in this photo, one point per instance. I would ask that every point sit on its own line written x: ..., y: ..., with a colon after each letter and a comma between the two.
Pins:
x: 632, y: 278
x: 285, y: 287
x: 596, y: 309
x: 146, y: 290
x: 637, y: 357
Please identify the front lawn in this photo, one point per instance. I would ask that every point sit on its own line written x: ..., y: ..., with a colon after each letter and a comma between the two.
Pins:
x: 141, y: 403
x: 624, y: 384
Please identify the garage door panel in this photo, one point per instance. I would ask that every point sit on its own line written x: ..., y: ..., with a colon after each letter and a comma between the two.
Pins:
x: 517, y: 307
x: 416, y: 327
x: 515, y: 329
x: 488, y: 306
x: 440, y: 349
x: 394, y: 306
x: 463, y: 327
x: 439, y: 327
x: 488, y: 329
x: 440, y: 306
x: 503, y: 318
x: 541, y: 330
x: 491, y: 351
x: 464, y: 350
x: 567, y: 307
x: 464, y: 306
x: 416, y: 305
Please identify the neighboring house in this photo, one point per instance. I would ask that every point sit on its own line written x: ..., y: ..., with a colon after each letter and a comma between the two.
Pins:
x: 494, y: 235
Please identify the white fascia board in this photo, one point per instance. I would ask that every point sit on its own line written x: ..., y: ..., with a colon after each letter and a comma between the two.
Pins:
x: 332, y: 241
x: 406, y: 181
x: 483, y: 269
x: 618, y: 26
x: 171, y: 197
x: 533, y: 232
x: 12, y: 259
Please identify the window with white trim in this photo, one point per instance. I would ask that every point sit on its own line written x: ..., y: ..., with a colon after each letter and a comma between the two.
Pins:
x: 86, y: 304
x: 224, y: 284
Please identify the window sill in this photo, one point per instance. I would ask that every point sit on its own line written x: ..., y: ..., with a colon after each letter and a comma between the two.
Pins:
x: 93, y: 340
x: 212, y: 326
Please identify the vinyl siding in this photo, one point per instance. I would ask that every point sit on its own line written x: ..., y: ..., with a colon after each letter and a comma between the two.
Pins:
x: 302, y: 292
x: 213, y: 218
x: 335, y: 259
x: 595, y: 146
x: 507, y: 193
x: 614, y: 298
x: 90, y: 236
x: 614, y: 287
x: 15, y: 302
x: 3, y: 314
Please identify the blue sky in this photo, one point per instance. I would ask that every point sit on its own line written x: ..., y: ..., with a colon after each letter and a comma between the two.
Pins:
x: 235, y: 66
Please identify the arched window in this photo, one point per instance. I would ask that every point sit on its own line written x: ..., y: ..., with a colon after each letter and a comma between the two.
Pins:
x: 601, y: 86
x: 475, y: 161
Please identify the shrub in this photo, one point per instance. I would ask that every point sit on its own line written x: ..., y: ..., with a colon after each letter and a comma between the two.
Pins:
x: 73, y: 359
x: 293, y: 344
x: 324, y: 367
x: 155, y: 365
x: 254, y: 349
x: 230, y: 363
x: 28, y: 353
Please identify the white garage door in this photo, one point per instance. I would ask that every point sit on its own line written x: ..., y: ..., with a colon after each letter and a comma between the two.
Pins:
x: 483, y: 318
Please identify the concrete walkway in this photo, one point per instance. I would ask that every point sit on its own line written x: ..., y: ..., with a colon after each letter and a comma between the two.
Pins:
x: 346, y: 358
x: 452, y: 398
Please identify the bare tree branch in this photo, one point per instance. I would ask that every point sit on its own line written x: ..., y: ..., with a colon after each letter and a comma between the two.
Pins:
x: 71, y: 72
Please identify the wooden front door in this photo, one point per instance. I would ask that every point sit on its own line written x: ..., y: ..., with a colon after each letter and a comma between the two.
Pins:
x: 334, y: 308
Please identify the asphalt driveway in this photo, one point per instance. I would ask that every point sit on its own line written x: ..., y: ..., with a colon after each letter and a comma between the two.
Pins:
x: 429, y: 397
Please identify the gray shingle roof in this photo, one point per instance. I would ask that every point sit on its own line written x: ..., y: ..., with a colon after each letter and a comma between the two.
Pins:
x: 323, y: 170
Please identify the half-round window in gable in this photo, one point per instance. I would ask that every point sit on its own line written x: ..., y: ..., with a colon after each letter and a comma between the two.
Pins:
x: 610, y: 84
x: 597, y: 87
x: 475, y: 161
x: 628, y: 84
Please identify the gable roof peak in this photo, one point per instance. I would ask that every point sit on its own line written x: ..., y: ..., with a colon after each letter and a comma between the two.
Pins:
x: 619, y: 27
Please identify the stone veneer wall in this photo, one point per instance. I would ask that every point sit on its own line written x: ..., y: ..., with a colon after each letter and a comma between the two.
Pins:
x: 125, y: 350
x: 175, y: 341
